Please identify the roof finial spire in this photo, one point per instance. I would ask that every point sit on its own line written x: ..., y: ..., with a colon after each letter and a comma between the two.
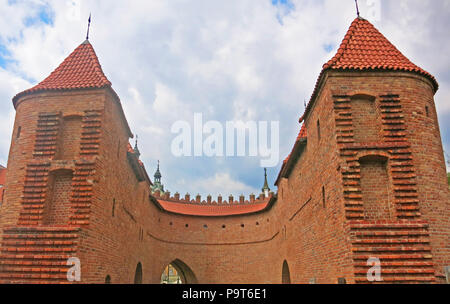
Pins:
x: 357, y: 8
x: 157, y: 186
x: 136, y: 149
x: 89, y: 25
x: 265, y: 189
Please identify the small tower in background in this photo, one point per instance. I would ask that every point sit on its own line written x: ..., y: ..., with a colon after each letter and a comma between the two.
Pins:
x: 136, y: 149
x: 265, y: 189
x: 157, y: 186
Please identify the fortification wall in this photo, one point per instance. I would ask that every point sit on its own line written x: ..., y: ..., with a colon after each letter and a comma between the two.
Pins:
x: 322, y: 225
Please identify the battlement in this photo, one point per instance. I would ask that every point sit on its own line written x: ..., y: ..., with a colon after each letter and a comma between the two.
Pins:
x: 220, y: 207
x: 365, y: 179
x: 176, y: 198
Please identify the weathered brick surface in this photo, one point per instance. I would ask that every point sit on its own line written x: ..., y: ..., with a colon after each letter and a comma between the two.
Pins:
x: 72, y: 192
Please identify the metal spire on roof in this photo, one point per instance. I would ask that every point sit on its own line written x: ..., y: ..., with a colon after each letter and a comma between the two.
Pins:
x: 157, y: 186
x: 357, y: 8
x: 89, y: 25
x: 265, y: 188
x: 158, y: 173
x: 136, y: 149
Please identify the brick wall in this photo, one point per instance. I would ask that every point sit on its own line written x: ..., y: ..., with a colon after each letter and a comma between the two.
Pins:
x: 321, y: 228
x: 376, y: 189
x: 69, y: 138
x: 366, y: 120
x: 57, y: 204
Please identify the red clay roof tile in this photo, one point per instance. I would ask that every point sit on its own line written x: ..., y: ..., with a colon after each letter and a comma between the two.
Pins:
x: 81, y: 70
x: 302, y: 135
x: 213, y: 210
x: 364, y: 48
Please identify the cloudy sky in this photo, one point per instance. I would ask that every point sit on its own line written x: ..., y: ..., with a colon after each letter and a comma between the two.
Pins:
x: 249, y: 60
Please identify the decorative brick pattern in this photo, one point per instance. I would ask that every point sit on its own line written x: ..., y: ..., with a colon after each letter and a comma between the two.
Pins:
x: 91, y: 133
x: 394, y: 146
x: 371, y: 185
x: 34, y: 194
x: 47, y: 135
x: 81, y: 198
x: 403, y: 248
x: 37, y: 254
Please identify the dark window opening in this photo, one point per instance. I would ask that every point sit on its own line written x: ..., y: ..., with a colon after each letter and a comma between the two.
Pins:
x: 138, y: 274
x: 108, y: 279
x: 318, y: 130
x: 285, y: 275
x: 113, y: 206
x: 427, y: 111
x: 323, y: 197
x: 19, y: 130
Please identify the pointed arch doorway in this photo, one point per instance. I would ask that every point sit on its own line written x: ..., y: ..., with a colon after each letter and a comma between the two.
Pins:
x: 286, y: 274
x: 177, y: 272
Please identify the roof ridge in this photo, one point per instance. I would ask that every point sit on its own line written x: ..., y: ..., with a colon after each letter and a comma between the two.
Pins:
x: 343, y: 45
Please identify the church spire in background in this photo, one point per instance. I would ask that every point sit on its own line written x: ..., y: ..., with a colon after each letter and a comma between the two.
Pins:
x: 157, y: 186
x: 136, y: 149
x: 265, y: 189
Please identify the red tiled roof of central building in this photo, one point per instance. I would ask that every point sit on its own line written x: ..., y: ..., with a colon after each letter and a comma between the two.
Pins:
x: 81, y: 70
x: 213, y: 210
x: 364, y: 48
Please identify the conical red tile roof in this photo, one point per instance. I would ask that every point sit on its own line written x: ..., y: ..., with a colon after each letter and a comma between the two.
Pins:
x: 81, y: 70
x: 364, y: 48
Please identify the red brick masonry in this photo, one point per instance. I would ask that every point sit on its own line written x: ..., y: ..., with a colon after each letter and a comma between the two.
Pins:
x: 366, y: 178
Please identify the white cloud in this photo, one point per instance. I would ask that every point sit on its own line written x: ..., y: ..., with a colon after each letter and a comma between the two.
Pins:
x: 223, y: 184
x: 229, y: 60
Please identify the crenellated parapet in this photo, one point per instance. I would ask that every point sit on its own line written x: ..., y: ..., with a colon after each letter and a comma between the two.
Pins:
x: 197, y: 200
x: 209, y: 207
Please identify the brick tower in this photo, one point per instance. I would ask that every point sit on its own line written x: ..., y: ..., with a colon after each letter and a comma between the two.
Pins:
x: 379, y: 170
x: 365, y: 181
x: 54, y: 157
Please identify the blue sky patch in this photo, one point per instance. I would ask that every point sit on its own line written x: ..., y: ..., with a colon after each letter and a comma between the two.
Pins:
x: 328, y: 47
x: 44, y: 15
x: 284, y: 8
x: 4, y: 54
